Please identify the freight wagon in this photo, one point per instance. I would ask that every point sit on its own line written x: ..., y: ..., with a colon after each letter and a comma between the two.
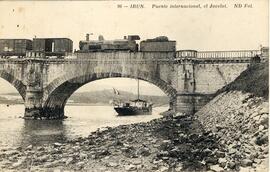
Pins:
x: 14, y: 47
x: 159, y: 44
x: 53, y: 46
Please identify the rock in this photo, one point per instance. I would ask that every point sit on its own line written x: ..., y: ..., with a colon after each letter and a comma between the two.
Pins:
x: 256, y: 118
x: 107, y: 157
x: 179, y: 167
x: 166, y: 141
x: 157, y: 161
x: 232, y: 151
x: 261, y: 157
x: 137, y: 161
x: 222, y: 162
x: 163, y: 169
x: 165, y: 158
x: 43, y: 158
x: 220, y: 154
x: 265, y: 150
x: 80, y: 164
x: 51, y: 164
x: 11, y: 152
x: 56, y: 144
x: 246, y: 162
x: 231, y: 164
x: 83, y: 156
x: 257, y: 161
x: 69, y: 161
x: 40, y: 148
x: 261, y: 127
x: 212, y: 160
x: 130, y: 167
x: 216, y: 168
x: 29, y: 147
x: 17, y: 164
x: 262, y: 139
x: 103, y: 129
x: 143, y: 151
x: 207, y: 151
x: 265, y: 108
x: 112, y: 164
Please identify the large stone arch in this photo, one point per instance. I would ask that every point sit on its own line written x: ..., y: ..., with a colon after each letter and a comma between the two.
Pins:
x: 59, y: 90
x: 20, y: 87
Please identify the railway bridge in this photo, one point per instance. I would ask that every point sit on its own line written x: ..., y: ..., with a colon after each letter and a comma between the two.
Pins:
x: 188, y: 77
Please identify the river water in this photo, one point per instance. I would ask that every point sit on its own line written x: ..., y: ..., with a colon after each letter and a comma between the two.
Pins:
x: 82, y: 120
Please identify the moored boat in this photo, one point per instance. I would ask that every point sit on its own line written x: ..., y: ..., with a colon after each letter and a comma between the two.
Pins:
x: 133, y: 107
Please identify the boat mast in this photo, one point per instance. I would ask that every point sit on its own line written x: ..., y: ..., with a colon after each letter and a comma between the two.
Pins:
x: 138, y: 93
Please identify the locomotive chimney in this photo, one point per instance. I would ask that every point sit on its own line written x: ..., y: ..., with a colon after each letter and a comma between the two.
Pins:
x: 87, y: 37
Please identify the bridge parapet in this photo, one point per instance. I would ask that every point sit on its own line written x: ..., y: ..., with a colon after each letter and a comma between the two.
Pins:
x: 217, y: 54
x: 228, y: 54
x: 119, y: 56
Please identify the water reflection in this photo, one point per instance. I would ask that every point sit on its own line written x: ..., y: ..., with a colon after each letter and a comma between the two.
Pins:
x: 42, y: 131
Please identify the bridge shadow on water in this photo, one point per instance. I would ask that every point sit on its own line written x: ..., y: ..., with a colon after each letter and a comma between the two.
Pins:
x: 38, y: 132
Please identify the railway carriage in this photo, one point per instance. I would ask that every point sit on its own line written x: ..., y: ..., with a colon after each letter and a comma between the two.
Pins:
x: 14, y: 47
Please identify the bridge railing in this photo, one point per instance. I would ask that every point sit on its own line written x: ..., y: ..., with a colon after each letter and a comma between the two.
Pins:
x: 228, y: 54
x: 217, y: 54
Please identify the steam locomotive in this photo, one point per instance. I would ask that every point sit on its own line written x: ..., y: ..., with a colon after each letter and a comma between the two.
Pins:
x: 101, y: 45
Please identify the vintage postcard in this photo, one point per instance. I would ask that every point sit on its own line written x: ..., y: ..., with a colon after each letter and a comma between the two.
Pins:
x: 133, y: 85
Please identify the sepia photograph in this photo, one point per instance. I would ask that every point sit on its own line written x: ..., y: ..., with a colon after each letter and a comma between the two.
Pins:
x: 134, y: 85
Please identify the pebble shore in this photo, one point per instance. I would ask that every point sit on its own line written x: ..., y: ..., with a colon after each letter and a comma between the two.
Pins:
x: 228, y: 134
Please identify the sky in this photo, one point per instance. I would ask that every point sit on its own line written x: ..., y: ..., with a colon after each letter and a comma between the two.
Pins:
x: 199, y: 29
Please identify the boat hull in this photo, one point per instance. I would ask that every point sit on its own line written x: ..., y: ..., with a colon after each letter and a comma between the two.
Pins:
x: 126, y: 111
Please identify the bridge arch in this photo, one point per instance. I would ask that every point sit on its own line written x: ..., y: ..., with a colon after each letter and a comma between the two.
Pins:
x: 20, y: 87
x: 58, y: 91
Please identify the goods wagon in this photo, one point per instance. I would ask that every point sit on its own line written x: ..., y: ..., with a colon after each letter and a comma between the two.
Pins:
x: 159, y: 44
x: 53, y: 46
x: 14, y: 47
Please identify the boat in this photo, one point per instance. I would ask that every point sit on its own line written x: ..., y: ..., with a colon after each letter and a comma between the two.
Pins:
x: 133, y: 107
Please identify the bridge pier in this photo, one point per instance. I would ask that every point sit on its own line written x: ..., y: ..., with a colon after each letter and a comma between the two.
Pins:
x: 189, y: 103
x: 33, y: 104
x: 44, y: 113
x: 35, y: 108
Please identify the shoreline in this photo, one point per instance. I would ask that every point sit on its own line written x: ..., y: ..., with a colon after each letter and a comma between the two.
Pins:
x: 174, y: 142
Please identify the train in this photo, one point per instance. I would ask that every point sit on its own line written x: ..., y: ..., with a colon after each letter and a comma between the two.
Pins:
x: 128, y: 43
x: 63, y: 47
x: 59, y: 47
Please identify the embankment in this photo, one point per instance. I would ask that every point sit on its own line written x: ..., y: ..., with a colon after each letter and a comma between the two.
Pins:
x: 239, y: 117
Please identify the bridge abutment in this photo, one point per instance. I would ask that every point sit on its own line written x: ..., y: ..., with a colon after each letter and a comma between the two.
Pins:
x: 189, y: 103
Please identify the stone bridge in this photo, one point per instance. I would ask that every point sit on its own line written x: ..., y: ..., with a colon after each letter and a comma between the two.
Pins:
x: 188, y: 77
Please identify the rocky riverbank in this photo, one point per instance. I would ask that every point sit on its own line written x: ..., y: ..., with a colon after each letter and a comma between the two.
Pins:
x: 240, y: 122
x: 172, y: 143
